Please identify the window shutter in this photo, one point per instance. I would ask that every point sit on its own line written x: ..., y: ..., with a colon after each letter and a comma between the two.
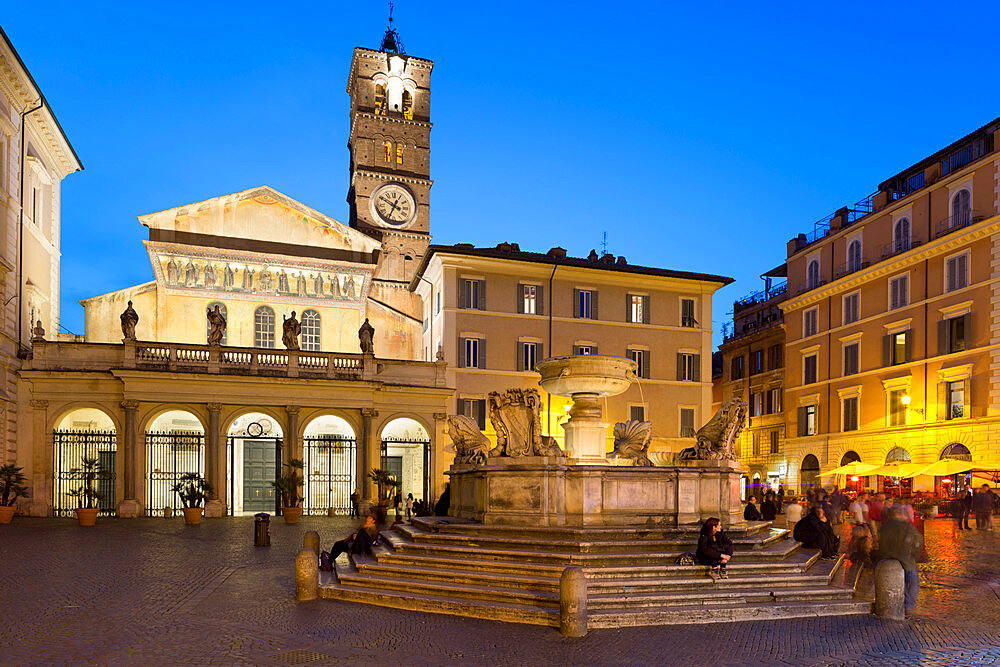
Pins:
x: 461, y: 353
x: 461, y: 407
x: 966, y: 397
x: 697, y: 368
x: 645, y: 310
x: 482, y: 353
x: 647, y: 354
x: 593, y: 305
x: 576, y: 303
x: 628, y: 307
x: 520, y: 298
x: 908, y: 346
x: 481, y: 413
x: 593, y: 349
x: 942, y: 401
x: 963, y: 271
x: 520, y: 356
x: 461, y: 292
x: 680, y: 366
x: 967, y: 331
x: 540, y: 300
x: 801, y: 422
x: 539, y: 353
x: 886, y: 350
x: 944, y: 342
x: 482, y: 295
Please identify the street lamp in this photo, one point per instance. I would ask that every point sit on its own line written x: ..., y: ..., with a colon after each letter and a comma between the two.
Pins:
x: 905, y: 400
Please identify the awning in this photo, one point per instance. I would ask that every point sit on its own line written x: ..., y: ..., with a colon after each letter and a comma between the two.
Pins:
x: 898, y: 469
x: 945, y: 467
x: 856, y: 468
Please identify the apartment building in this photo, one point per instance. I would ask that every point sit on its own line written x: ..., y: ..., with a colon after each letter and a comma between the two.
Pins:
x: 892, y: 322
x: 492, y: 313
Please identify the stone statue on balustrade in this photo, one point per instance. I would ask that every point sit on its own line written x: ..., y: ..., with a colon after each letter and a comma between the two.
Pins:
x: 515, y: 414
x: 467, y: 441
x: 290, y: 332
x: 130, y: 319
x: 716, y: 439
x: 366, y: 337
x: 217, y: 324
x: 632, y: 441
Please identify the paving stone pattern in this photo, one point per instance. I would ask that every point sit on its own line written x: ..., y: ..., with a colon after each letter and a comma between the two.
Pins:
x: 155, y: 592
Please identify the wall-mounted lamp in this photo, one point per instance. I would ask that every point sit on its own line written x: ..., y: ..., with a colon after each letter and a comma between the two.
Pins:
x: 906, y: 403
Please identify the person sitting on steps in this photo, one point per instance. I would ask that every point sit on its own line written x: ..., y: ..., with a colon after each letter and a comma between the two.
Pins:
x: 815, y: 532
x: 358, y: 543
x: 715, y: 549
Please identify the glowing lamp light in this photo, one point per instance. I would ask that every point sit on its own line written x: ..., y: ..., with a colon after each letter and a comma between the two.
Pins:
x: 854, y: 478
x: 946, y: 480
x: 906, y: 399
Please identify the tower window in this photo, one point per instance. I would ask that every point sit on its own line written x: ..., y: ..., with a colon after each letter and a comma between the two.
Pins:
x: 407, y: 105
x: 311, y: 331
x: 388, y: 151
x: 399, y: 154
x: 379, y: 98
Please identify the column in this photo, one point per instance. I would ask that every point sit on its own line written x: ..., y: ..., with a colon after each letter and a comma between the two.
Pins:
x: 366, y: 454
x: 129, y: 507
x: 41, y: 461
x: 214, y: 465
x: 293, y: 448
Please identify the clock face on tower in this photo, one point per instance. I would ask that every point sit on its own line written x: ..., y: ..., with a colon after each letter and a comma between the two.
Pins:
x: 394, y: 205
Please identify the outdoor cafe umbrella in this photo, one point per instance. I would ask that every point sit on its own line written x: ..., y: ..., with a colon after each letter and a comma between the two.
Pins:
x: 897, y: 469
x: 943, y: 468
x: 856, y: 468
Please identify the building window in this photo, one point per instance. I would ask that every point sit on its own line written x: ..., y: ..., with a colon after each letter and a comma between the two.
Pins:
x: 756, y: 444
x: 527, y: 355
x: 810, y: 322
x: 956, y: 272
x: 263, y: 327
x: 812, y: 274
x: 901, y: 236
x: 638, y: 309
x: 475, y: 409
x: 687, y: 313
x: 438, y: 302
x: 774, y: 442
x: 773, y: 404
x: 472, y: 294
x: 641, y: 358
x: 585, y: 305
x: 851, y: 413
x: 956, y: 399
x: 899, y: 292
x: 637, y: 413
x: 584, y: 349
x: 961, y: 208
x: 756, y: 362
x: 388, y: 151
x: 809, y: 365
x: 311, y: 331
x: 807, y: 420
x: 851, y: 358
x: 688, y: 367
x: 473, y: 352
x: 852, y: 308
x: 897, y: 411
x: 756, y: 404
x: 208, y: 332
x: 854, y: 256
x: 736, y: 368
x: 897, y: 349
x: 407, y: 105
x: 774, y: 357
x: 380, y: 99
x: 687, y: 423
x: 529, y: 299
x: 952, y: 333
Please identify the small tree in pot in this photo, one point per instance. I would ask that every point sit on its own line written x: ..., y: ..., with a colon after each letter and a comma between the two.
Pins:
x: 11, y: 488
x: 193, y: 491
x: 87, y: 494
x: 288, y: 487
x: 386, y: 484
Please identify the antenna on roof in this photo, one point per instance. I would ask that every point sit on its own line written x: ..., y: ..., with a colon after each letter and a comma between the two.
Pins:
x: 604, y: 244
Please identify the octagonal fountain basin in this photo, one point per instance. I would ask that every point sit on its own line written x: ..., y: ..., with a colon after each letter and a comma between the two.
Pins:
x: 586, y: 374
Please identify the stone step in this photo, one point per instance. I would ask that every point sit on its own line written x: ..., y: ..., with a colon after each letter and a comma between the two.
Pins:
x: 582, y: 533
x: 724, y: 613
x: 717, y: 593
x: 493, y: 611
x: 389, y: 556
x: 787, y: 558
x: 378, y: 568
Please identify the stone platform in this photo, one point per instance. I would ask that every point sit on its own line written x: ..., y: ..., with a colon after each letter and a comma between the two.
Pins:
x: 511, y: 573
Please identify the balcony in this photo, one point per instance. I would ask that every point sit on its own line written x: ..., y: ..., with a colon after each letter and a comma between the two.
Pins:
x: 893, y: 249
x: 958, y: 221
x: 752, y: 326
x: 848, y: 268
x: 761, y: 296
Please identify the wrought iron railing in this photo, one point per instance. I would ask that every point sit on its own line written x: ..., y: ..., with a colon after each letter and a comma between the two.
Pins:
x: 958, y: 221
x: 896, y: 248
x: 850, y: 267
x: 70, y: 447
x: 761, y: 296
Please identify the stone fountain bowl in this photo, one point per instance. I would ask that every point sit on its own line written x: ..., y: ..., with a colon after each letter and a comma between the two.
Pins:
x: 586, y: 374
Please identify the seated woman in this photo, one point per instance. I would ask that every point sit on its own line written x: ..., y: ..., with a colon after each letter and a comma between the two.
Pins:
x: 714, y: 549
x: 815, y: 532
x: 360, y: 542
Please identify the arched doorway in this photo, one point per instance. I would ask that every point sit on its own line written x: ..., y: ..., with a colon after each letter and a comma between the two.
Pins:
x: 329, y: 456
x: 175, y: 446
x: 854, y: 483
x: 84, y: 433
x: 959, y: 482
x: 897, y: 486
x: 253, y: 462
x: 755, y: 486
x: 406, y: 454
x: 808, y: 473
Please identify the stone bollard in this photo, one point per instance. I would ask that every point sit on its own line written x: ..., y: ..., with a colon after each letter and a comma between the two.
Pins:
x: 573, y: 602
x: 306, y: 575
x: 890, y: 590
x: 311, y: 541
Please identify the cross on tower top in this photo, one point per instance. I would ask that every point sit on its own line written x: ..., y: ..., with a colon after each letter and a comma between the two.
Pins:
x: 390, y: 41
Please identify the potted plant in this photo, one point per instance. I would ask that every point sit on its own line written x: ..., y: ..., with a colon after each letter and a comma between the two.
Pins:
x: 11, y: 487
x: 193, y: 491
x: 288, y: 487
x: 87, y: 497
x: 386, y: 483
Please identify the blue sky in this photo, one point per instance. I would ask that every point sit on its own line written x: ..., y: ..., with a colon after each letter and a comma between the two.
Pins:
x: 700, y: 137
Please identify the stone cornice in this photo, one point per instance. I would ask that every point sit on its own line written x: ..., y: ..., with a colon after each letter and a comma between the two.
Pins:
x: 391, y: 177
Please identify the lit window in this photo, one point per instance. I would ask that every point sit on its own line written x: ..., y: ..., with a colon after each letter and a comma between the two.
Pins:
x: 687, y: 313
x: 955, y: 332
x: 807, y: 420
x: 957, y: 272
x: 756, y: 404
x: 529, y: 295
x: 263, y: 327
x: 956, y: 399
x: 898, y: 348
x: 899, y: 292
x: 584, y: 349
x: 399, y: 154
x: 528, y: 353
x: 407, y: 105
x: 310, y: 331
x: 773, y: 401
x: 641, y: 360
x: 897, y: 410
x: 388, y: 151
x: 635, y: 310
x: 380, y: 99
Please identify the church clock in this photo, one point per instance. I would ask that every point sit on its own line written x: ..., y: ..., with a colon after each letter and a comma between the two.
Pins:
x: 394, y: 205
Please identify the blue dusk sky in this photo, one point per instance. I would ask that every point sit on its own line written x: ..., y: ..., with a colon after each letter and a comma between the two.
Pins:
x: 700, y: 136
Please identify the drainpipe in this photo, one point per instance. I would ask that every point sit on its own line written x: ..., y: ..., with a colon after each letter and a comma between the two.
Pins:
x: 20, y: 234
x: 548, y: 421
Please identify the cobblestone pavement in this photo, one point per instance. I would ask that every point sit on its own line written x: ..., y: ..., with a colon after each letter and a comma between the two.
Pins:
x: 156, y: 592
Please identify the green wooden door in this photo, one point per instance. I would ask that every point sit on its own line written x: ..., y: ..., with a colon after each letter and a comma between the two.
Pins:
x: 258, y: 473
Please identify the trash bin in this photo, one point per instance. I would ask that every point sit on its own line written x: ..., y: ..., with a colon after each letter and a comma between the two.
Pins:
x: 262, y: 530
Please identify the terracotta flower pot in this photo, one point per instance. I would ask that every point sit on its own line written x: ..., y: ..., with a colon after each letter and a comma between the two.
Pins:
x: 6, y: 513
x: 87, y: 516
x: 291, y: 514
x: 192, y: 516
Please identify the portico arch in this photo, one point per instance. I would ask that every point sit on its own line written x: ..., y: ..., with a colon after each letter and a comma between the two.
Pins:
x: 809, y: 473
x: 329, y: 456
x: 84, y: 431
x: 406, y: 453
x: 175, y: 446
x: 255, y: 439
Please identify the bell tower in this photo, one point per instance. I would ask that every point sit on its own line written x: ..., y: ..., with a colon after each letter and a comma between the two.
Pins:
x: 389, y: 142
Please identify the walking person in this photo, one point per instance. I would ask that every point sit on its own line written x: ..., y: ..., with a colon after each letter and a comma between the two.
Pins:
x: 355, y: 514
x: 982, y: 505
x: 967, y: 499
x: 409, y: 506
x: 900, y: 541
x: 768, y: 509
x: 715, y: 549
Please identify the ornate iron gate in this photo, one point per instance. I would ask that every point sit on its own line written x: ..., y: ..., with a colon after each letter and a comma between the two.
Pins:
x: 168, y: 456
x: 330, y: 464
x: 425, y: 447
x: 70, y: 448
x: 257, y: 459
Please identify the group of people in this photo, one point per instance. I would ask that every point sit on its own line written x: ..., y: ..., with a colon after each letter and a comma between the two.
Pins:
x: 983, y: 503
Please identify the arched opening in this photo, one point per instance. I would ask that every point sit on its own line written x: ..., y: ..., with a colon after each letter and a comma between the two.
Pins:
x: 379, y: 98
x: 208, y: 324
x: 406, y: 454
x: 812, y: 274
x: 961, y: 208
x: 175, y: 445
x: 854, y: 256
x: 958, y: 482
x: 329, y: 455
x: 755, y: 487
x: 901, y: 236
x: 263, y: 327
x: 897, y: 486
x: 854, y: 483
x: 407, y: 105
x: 311, y: 326
x: 387, y: 146
x: 84, y: 433
x: 253, y: 461
x: 808, y: 473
